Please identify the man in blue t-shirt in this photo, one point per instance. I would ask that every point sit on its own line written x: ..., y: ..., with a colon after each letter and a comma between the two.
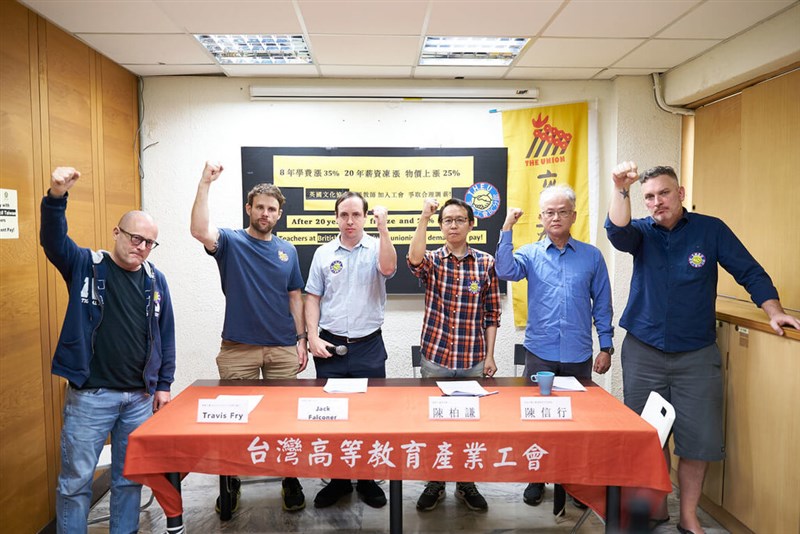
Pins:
x: 670, y: 317
x: 264, y: 333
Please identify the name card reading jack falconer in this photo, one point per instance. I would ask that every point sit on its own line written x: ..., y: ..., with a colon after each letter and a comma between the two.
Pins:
x: 454, y: 408
x: 322, y: 409
x: 545, y: 408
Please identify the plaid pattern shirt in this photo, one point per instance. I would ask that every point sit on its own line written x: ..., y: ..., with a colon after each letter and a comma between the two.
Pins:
x: 462, y: 299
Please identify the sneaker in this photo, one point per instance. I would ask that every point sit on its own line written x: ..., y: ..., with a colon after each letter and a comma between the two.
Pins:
x: 292, y: 493
x: 431, y: 496
x: 468, y: 493
x: 235, y: 488
x: 330, y: 494
x: 371, y: 493
x: 534, y: 494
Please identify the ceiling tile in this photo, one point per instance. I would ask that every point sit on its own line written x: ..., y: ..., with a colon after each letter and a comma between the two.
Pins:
x: 616, y: 18
x: 497, y: 19
x: 538, y: 73
x: 271, y: 71
x: 468, y: 73
x: 149, y: 49
x: 562, y: 52
x: 361, y: 71
x: 141, y: 16
x: 665, y: 53
x: 721, y: 19
x: 364, y: 50
x: 363, y: 18
x: 275, y: 16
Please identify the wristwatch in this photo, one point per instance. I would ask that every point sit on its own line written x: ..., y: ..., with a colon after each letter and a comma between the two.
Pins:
x: 609, y: 350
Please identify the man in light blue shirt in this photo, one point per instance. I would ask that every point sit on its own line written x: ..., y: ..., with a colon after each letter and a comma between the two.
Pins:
x: 568, y: 287
x: 346, y: 295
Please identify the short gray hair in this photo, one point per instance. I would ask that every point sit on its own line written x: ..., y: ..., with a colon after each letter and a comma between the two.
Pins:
x: 557, y: 190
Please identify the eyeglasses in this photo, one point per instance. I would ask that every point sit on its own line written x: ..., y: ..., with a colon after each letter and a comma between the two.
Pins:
x: 562, y: 214
x: 137, y: 240
x: 459, y: 221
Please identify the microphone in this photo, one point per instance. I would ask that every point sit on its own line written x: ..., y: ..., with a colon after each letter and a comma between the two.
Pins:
x: 338, y: 350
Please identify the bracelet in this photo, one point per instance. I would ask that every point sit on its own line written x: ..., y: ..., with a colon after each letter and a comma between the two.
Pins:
x: 304, y: 335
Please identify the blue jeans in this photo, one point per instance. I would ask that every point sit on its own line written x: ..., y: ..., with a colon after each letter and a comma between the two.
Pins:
x: 429, y: 369
x: 89, y: 416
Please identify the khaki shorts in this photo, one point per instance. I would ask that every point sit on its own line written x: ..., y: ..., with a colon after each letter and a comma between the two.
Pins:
x: 237, y: 361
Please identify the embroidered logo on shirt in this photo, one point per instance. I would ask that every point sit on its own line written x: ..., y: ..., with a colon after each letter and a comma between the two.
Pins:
x: 697, y: 260
x: 484, y: 199
x: 474, y: 287
x: 284, y: 257
x: 336, y: 266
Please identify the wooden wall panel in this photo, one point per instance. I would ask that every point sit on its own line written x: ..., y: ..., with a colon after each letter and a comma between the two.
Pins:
x: 25, y: 499
x: 771, y: 195
x: 762, y: 475
x: 746, y: 161
x: 120, y: 161
x: 60, y: 104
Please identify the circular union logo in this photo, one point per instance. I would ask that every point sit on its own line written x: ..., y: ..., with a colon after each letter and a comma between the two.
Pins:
x: 284, y: 257
x: 697, y: 260
x: 474, y: 287
x: 484, y: 199
x: 336, y: 266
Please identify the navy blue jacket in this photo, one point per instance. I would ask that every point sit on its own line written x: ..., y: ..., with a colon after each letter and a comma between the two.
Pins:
x: 85, y: 276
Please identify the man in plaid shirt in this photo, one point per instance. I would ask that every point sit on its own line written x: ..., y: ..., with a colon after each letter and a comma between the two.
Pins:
x: 462, y: 313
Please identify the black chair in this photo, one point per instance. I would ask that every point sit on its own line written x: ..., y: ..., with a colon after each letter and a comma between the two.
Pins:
x: 416, y: 359
x: 519, y: 358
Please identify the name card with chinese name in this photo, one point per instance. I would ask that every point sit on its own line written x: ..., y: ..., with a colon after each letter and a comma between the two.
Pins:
x: 228, y: 410
x: 450, y: 408
x: 322, y: 409
x: 545, y: 408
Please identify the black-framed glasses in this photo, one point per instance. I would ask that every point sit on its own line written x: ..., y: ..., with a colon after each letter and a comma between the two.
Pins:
x: 137, y: 239
x: 458, y: 221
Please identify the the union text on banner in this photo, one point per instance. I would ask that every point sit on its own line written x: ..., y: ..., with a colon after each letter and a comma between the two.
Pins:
x: 546, y: 145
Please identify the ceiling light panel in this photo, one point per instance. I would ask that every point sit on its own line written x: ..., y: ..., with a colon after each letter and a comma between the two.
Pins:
x: 257, y: 49
x: 471, y: 51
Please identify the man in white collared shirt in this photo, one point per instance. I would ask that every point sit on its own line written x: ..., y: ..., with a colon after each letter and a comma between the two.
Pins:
x: 346, y: 296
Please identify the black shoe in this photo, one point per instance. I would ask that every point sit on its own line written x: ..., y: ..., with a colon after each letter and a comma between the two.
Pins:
x: 292, y: 493
x: 235, y: 488
x: 330, y: 494
x: 578, y: 504
x: 431, y: 496
x: 371, y: 493
x: 534, y: 494
x: 468, y: 493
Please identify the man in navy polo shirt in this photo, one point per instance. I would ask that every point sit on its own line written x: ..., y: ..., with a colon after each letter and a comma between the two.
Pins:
x: 671, y: 346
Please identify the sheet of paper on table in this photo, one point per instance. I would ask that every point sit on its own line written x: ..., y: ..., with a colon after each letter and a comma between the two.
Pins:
x: 567, y: 383
x: 346, y: 385
x: 464, y: 388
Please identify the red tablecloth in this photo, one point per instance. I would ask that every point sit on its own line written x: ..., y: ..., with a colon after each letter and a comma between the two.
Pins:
x: 389, y: 437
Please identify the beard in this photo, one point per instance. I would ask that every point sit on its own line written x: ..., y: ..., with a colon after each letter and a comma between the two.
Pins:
x: 260, y: 227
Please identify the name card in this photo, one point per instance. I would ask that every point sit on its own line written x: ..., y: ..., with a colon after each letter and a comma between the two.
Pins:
x: 228, y: 410
x: 545, y: 408
x: 454, y: 408
x: 322, y: 409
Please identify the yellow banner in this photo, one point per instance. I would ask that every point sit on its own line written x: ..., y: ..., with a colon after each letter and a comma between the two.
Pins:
x: 546, y: 145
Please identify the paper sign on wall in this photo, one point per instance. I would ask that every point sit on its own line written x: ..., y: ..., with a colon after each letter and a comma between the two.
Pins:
x: 9, y: 214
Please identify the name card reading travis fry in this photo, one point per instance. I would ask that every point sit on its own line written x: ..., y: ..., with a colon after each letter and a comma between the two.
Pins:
x: 222, y: 411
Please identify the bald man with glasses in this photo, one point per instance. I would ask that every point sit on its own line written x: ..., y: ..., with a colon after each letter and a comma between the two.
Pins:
x: 119, y: 361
